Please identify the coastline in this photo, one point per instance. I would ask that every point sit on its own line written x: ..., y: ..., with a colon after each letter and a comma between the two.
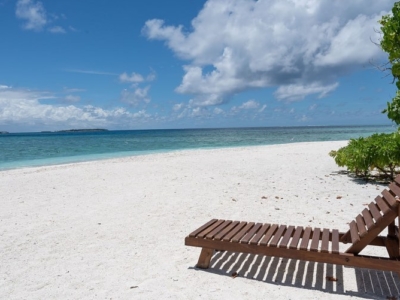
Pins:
x: 41, y: 149
x: 42, y: 163
x: 115, y: 228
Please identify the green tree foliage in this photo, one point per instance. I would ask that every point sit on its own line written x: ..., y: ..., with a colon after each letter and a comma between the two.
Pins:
x: 379, y: 153
x: 393, y: 109
x: 390, y: 43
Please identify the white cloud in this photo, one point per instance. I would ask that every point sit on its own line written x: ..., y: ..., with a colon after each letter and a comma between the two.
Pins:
x: 135, y: 97
x: 72, y: 98
x: 133, y: 78
x: 178, y: 106
x: 251, y: 104
x: 218, y: 111
x: 294, y: 92
x: 22, y: 109
x: 141, y: 114
x: 348, y: 46
x: 301, y: 47
x: 262, y: 108
x: 36, y: 18
x: 33, y: 13
x: 199, y: 112
x: 57, y: 29
x: 136, y: 78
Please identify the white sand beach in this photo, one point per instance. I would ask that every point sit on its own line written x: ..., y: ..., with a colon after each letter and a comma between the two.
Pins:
x: 115, y: 229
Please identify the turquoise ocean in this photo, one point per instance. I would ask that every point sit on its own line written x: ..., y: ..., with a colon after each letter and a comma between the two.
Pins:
x: 19, y: 150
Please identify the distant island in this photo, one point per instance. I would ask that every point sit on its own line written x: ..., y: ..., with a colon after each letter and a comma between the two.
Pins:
x: 77, y: 130
x: 82, y: 130
x: 4, y: 132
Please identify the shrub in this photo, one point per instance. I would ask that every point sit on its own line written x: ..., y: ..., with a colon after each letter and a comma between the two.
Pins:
x: 378, y: 153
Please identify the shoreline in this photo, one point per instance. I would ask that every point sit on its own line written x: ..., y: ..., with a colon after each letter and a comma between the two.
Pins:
x: 68, y: 160
x: 115, y: 228
x: 33, y: 149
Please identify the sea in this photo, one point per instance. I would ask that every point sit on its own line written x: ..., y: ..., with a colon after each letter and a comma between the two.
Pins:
x: 18, y: 150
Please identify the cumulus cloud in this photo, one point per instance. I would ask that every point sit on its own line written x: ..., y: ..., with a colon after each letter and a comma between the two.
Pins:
x: 301, y: 47
x: 133, y: 78
x: 36, y: 18
x: 251, y: 104
x: 33, y: 13
x: 23, y: 109
x: 136, y: 78
x: 136, y: 96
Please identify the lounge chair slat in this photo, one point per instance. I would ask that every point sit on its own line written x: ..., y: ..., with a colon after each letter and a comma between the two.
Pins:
x: 389, y: 198
x: 373, y: 233
x: 250, y: 234
x: 296, y: 238
x: 325, y: 241
x: 361, y: 225
x: 224, y: 232
x: 286, y: 237
x: 218, y: 229
x: 269, y: 234
x: 397, y: 180
x: 335, y: 241
x: 354, y: 232
x: 368, y: 219
x: 315, y: 239
x: 395, y: 189
x: 382, y: 205
x: 275, y: 240
x: 374, y: 211
x: 201, y: 228
x: 305, y: 239
x: 259, y: 234
x: 242, y: 232
x: 234, y: 231
x: 209, y: 229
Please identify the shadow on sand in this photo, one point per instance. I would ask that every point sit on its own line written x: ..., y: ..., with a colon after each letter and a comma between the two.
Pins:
x: 307, y: 275
x: 377, y: 180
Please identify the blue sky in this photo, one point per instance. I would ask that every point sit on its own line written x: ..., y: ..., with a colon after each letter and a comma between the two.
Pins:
x: 190, y: 63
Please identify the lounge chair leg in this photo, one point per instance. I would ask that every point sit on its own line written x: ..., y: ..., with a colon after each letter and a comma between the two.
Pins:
x: 392, y: 246
x: 205, y: 258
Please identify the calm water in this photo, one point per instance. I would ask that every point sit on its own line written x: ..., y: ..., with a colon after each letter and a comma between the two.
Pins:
x: 35, y: 149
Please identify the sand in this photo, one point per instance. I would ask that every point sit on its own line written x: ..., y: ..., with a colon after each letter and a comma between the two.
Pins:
x: 115, y: 229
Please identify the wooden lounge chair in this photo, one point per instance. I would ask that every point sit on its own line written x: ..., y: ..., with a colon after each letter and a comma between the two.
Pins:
x: 317, y: 245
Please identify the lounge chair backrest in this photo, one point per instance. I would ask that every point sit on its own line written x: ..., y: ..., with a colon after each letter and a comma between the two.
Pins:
x: 379, y: 214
